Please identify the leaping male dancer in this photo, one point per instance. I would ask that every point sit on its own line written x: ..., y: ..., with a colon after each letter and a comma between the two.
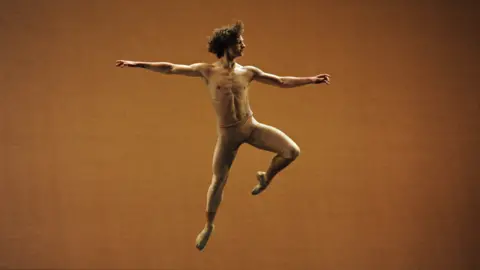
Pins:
x: 228, y: 84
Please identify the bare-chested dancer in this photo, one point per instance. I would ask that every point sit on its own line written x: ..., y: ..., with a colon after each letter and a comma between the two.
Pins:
x: 228, y: 84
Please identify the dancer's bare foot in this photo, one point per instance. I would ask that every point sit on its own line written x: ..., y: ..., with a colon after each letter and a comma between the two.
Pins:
x: 203, y: 236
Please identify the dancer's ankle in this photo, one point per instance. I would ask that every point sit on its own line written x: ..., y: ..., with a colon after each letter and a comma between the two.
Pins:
x: 210, y: 218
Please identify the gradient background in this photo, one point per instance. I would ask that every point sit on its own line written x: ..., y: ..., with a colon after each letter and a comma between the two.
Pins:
x: 108, y: 168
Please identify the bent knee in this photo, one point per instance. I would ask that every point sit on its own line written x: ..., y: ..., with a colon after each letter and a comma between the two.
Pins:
x: 292, y: 153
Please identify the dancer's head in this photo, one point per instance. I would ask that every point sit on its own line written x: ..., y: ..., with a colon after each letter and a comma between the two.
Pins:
x: 227, y: 40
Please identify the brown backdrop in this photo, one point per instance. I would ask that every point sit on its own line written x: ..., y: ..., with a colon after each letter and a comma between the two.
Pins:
x: 106, y: 168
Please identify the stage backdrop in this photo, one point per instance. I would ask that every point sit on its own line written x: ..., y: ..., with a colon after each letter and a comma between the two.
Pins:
x: 108, y: 168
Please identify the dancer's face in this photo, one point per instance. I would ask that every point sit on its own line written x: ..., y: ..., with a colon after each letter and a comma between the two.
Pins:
x: 237, y: 49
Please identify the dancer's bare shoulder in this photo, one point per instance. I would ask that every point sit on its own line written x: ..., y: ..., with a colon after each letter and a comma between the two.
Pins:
x: 259, y: 75
x: 247, y: 72
x: 251, y: 69
x: 254, y: 72
x: 204, y: 69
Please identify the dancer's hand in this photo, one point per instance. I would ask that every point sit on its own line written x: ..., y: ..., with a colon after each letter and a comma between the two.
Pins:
x: 321, y: 78
x: 125, y: 63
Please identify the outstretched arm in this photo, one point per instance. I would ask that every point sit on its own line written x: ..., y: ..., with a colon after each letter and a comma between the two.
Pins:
x: 287, y: 81
x: 193, y: 70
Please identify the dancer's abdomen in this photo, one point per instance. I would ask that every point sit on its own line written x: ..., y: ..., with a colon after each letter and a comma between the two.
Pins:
x: 231, y: 107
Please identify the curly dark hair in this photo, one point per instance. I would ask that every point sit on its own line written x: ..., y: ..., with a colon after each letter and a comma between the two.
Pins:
x: 224, y: 37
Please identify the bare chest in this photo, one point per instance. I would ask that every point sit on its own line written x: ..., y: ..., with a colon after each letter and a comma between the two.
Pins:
x: 224, y: 82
